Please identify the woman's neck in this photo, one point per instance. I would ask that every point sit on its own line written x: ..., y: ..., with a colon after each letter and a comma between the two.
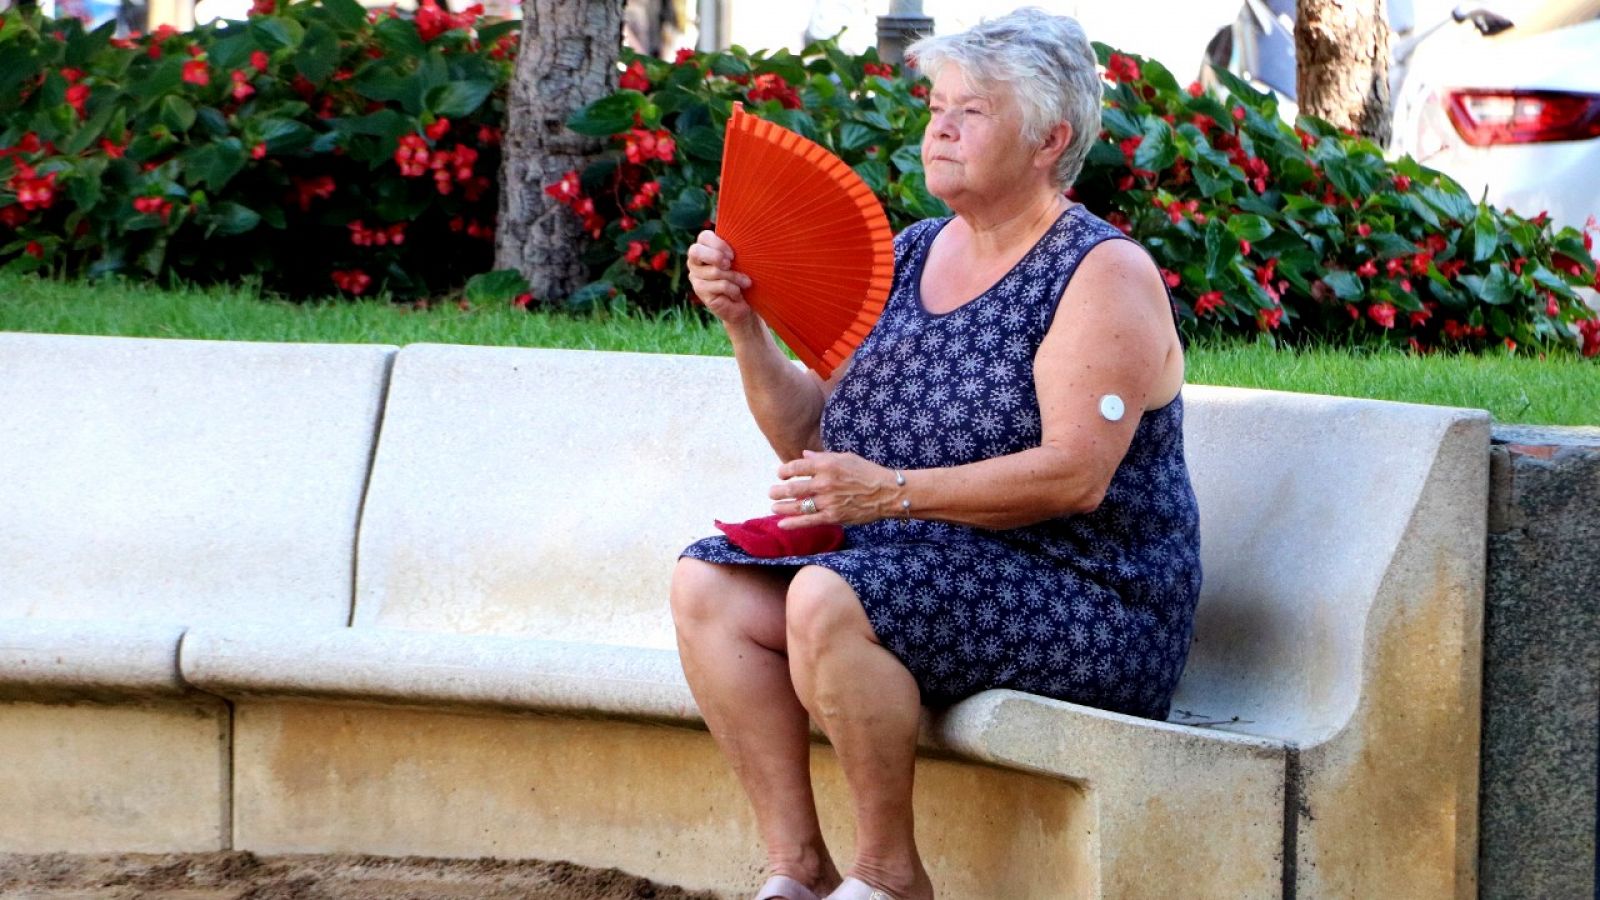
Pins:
x: 997, y: 230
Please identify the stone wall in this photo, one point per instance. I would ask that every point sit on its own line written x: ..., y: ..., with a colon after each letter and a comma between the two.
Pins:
x: 1541, y: 666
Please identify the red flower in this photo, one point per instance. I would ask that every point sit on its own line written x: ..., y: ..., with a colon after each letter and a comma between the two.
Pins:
x: 920, y: 91
x: 1382, y: 313
x: 882, y: 70
x: 259, y: 151
x: 646, y: 196
x: 1402, y: 183
x: 640, y: 145
x: 1364, y: 230
x: 1173, y: 279
x: 635, y: 78
x: 488, y: 136
x: 1518, y: 263
x: 113, y: 149
x: 1551, y: 307
x: 352, y: 281
x: 13, y: 216
x: 659, y: 261
x: 521, y: 301
x: 264, y: 7
x: 431, y: 20
x: 684, y: 55
x: 1244, y: 247
x: 34, y: 249
x: 1268, y: 319
x: 771, y: 86
x: 1121, y: 68
x: 1421, y: 316
x: 412, y: 156
x: 1256, y: 172
x: 153, y: 206
x: 1129, y: 146
x: 635, y: 251
x: 567, y: 190
x: 1203, y: 122
x: 1511, y: 346
x: 241, y: 85
x: 1451, y: 268
x: 307, y: 190
x: 1207, y: 302
x: 259, y: 60
x: 1238, y: 114
x: 1119, y: 221
x: 1195, y: 89
x: 77, y: 96
x: 1589, y: 331
x: 437, y: 130
x: 195, y: 72
x: 1395, y: 268
x: 34, y: 193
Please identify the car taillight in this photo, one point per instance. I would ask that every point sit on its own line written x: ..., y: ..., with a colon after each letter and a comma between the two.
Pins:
x: 1485, y: 118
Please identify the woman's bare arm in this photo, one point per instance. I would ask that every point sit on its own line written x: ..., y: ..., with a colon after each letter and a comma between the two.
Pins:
x: 1111, y: 335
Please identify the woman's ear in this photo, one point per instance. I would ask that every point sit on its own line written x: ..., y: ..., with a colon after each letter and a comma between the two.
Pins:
x: 1054, y: 145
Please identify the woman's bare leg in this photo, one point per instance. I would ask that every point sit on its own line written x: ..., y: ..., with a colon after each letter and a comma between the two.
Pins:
x: 870, y: 707
x: 730, y: 624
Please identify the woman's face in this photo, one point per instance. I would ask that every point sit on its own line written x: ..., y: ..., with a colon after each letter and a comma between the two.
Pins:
x: 973, y: 149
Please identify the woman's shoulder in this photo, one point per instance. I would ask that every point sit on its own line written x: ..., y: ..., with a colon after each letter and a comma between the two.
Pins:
x: 913, y: 233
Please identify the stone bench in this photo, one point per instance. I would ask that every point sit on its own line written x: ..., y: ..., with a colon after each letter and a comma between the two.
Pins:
x: 504, y: 680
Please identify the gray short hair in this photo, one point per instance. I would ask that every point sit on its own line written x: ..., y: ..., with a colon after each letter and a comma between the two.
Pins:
x: 1047, y: 62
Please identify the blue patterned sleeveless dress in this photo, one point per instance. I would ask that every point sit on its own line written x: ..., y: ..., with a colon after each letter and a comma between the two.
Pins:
x: 1096, y: 609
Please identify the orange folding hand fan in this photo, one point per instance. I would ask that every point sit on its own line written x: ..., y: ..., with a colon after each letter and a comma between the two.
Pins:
x: 811, y: 236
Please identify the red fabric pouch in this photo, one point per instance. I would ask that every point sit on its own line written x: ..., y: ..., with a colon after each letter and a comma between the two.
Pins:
x: 762, y: 537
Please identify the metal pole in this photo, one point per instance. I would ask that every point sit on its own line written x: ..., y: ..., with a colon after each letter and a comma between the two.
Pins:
x: 903, y: 25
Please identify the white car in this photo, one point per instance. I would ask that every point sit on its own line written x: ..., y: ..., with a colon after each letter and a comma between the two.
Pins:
x: 1514, y: 116
x: 1504, y: 97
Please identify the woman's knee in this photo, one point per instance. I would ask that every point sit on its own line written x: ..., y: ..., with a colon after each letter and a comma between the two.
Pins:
x: 696, y: 589
x: 821, y: 607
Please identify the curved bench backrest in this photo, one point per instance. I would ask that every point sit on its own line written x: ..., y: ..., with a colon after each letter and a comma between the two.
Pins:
x: 547, y: 492
x: 182, y: 481
x: 1304, y: 501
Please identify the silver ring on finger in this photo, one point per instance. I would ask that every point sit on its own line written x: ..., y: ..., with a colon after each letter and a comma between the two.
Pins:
x: 809, y: 506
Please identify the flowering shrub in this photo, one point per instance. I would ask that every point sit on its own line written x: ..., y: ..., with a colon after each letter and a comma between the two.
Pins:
x: 1296, y: 231
x: 643, y: 203
x: 318, y: 146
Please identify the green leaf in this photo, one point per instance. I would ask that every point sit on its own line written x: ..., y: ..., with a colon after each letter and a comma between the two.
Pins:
x: 690, y: 209
x: 350, y: 15
x: 229, y: 218
x: 176, y: 113
x: 284, y: 135
x: 1498, y: 288
x: 499, y: 286
x: 458, y: 98
x: 608, y: 115
x: 273, y: 32
x: 798, y: 121
x: 214, y: 165
x: 1485, y: 239
x: 1249, y: 228
x: 317, y: 55
x: 1221, y: 249
x: 907, y: 158
x: 590, y: 296
x: 1345, y: 285
x: 875, y: 172
x: 399, y: 36
x: 1156, y: 152
x: 854, y: 136
x: 1120, y: 123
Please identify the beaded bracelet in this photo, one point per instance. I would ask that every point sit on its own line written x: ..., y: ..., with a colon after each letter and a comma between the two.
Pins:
x: 905, y: 502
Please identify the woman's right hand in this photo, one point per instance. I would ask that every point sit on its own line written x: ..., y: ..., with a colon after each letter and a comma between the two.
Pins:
x: 714, y: 280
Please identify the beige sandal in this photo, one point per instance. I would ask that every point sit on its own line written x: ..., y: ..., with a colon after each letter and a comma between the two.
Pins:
x: 782, y: 887
x: 856, y: 889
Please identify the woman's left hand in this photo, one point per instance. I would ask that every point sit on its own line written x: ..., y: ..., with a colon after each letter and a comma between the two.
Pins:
x: 846, y: 489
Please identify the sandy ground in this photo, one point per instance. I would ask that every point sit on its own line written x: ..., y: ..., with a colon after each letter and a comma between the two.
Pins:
x: 239, y: 875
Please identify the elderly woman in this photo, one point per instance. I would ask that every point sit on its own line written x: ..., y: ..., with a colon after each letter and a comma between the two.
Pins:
x: 1004, y: 450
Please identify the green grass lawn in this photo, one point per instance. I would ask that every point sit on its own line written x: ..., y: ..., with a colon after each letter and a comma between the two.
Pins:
x: 1563, y: 390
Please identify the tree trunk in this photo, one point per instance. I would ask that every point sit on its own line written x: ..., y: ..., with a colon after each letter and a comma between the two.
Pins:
x: 568, y: 59
x: 1342, y: 64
